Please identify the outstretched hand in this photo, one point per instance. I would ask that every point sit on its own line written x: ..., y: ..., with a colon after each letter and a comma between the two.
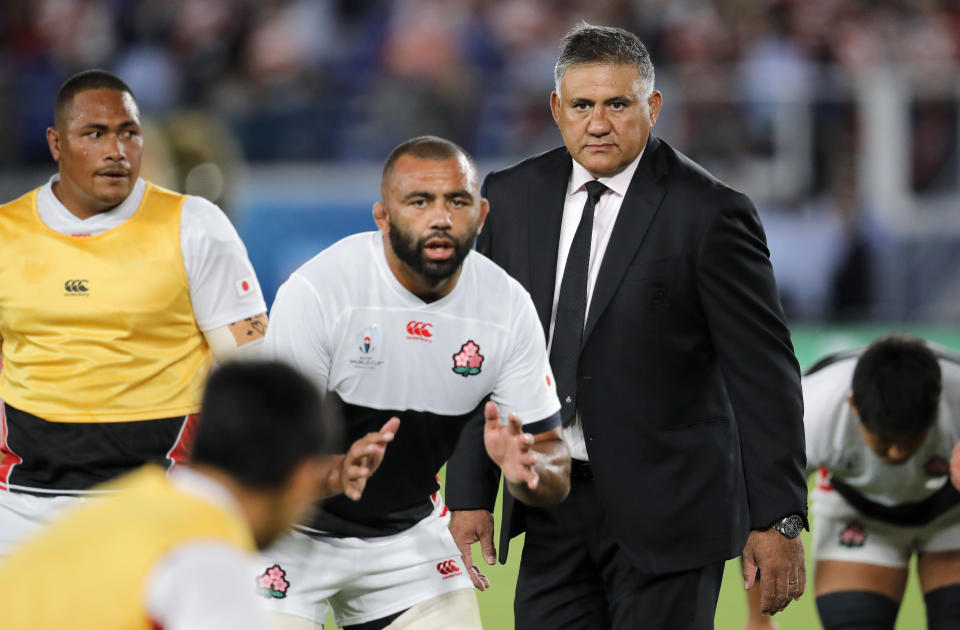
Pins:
x: 363, y: 459
x: 509, y: 447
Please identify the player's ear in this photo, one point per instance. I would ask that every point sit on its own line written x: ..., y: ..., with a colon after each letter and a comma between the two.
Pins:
x: 53, y: 141
x: 484, y: 209
x: 380, y: 216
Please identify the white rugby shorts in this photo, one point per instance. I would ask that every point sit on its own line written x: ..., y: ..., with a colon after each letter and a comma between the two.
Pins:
x: 362, y: 579
x: 22, y: 515
x: 840, y: 532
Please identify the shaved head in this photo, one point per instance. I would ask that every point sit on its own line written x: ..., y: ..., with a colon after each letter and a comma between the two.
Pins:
x: 431, y: 148
x: 81, y: 82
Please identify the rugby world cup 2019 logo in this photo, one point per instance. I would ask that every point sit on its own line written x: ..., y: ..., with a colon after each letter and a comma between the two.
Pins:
x: 368, y: 339
x: 467, y: 362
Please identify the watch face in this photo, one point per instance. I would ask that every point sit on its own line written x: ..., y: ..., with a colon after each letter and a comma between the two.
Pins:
x: 791, y: 526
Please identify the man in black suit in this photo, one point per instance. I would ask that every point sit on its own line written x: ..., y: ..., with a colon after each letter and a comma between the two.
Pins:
x: 680, y: 390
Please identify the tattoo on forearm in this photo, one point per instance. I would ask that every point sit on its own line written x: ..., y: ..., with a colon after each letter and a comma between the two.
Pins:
x: 249, y: 329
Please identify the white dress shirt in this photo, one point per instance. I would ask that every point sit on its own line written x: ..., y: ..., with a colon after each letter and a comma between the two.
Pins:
x: 604, y: 217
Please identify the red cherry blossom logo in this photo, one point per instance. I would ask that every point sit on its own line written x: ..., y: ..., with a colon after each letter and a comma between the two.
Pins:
x: 467, y: 362
x: 853, y: 535
x: 271, y: 583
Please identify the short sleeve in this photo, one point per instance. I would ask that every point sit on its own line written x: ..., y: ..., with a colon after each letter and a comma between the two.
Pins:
x: 824, y: 393
x: 526, y: 385
x: 223, y: 285
x: 204, y: 585
x: 297, y: 331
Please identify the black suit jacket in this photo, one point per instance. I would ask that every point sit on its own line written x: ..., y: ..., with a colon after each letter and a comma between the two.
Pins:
x: 689, y: 391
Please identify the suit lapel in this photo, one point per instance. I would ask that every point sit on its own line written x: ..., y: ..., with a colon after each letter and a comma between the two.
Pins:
x: 639, y: 206
x: 545, y: 197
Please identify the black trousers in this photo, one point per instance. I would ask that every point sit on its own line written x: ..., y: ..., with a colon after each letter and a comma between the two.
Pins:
x: 574, y: 575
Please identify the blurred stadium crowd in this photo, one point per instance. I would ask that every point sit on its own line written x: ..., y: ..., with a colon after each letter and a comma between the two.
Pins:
x: 838, y: 117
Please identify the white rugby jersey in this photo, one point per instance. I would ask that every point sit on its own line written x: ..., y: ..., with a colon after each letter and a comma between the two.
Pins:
x: 836, y: 446
x: 344, y: 320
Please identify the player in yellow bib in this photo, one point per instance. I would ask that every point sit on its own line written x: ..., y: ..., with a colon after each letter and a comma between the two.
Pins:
x: 115, y: 297
x: 171, y: 551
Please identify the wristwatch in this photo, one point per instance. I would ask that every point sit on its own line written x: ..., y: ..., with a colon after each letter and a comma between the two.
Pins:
x: 789, y: 526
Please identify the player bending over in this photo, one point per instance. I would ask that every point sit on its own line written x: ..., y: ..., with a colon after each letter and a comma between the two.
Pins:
x: 881, y: 424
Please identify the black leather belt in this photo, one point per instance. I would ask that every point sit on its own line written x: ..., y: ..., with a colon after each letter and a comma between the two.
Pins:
x: 580, y: 470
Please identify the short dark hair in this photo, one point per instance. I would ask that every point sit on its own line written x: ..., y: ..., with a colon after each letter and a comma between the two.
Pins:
x: 897, y: 385
x: 81, y: 82
x: 426, y: 148
x: 589, y: 43
x: 260, y: 420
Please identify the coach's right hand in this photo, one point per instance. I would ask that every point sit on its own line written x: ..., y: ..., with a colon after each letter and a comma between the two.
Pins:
x: 468, y: 527
x: 362, y: 460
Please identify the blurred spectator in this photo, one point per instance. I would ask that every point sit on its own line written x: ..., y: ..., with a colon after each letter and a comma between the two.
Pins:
x: 765, y: 93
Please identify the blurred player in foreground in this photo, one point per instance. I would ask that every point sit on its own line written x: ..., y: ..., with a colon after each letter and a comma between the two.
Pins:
x: 173, y: 552
x: 115, y: 297
x: 880, y: 426
x: 408, y: 321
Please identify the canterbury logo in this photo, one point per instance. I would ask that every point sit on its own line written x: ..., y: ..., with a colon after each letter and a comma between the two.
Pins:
x: 448, y: 567
x: 76, y: 286
x: 420, y: 329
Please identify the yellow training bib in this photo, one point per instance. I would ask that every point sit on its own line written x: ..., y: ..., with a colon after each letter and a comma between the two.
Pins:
x: 100, y: 328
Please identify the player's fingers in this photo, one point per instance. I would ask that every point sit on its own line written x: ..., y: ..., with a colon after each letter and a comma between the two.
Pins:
x: 479, y: 580
x: 802, y: 578
x: 389, y: 429
x: 464, y: 546
x: 353, y: 488
x: 516, y: 427
x: 356, y: 478
x: 374, y: 456
x: 749, y: 567
x: 483, y: 578
x: 465, y: 553
x: 487, y: 546
x: 533, y: 481
x: 526, y: 475
x: 376, y: 438
x: 490, y: 412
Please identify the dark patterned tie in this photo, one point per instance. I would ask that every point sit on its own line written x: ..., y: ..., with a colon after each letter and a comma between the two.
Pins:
x: 572, y: 308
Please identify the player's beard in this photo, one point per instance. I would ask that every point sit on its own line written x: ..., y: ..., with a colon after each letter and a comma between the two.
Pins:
x: 411, y: 251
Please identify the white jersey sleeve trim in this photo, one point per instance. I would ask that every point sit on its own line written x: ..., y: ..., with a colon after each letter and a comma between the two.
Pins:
x: 204, y: 585
x: 223, y: 285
